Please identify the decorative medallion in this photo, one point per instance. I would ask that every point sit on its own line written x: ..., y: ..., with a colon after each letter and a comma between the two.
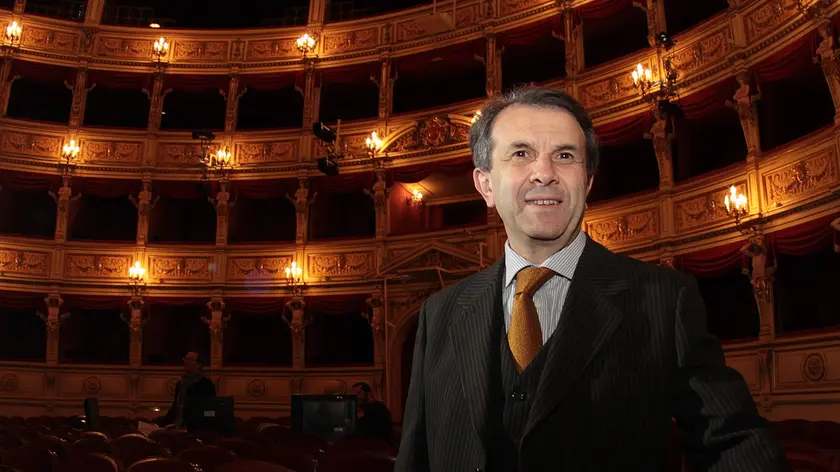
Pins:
x: 171, y: 385
x: 256, y: 388
x: 9, y: 383
x: 813, y: 367
x: 92, y: 385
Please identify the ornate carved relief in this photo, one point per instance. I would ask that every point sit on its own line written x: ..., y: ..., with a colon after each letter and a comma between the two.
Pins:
x: 256, y: 388
x: 9, y: 383
x: 814, y: 367
x: 704, y: 209
x: 634, y: 227
x: 198, y: 50
x: 91, y: 265
x: 170, y: 386
x: 431, y: 133
x: 111, y: 151
x: 713, y: 47
x: 768, y: 17
x: 261, y: 153
x: 798, y: 179
x: 270, y: 49
x: 31, y: 144
x: 612, y: 89
x: 413, y: 29
x: 183, y: 268
x: 331, y: 265
x: 241, y: 268
x: 92, y: 385
x: 510, y: 6
x: 52, y: 40
x: 122, y: 47
x: 179, y: 154
x: 358, y: 39
x: 25, y: 262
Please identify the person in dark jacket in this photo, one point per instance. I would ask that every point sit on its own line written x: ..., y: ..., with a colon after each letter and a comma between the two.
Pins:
x: 193, y: 387
x: 374, y: 417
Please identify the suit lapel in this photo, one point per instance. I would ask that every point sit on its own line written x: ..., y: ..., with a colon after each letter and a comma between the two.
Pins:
x: 591, y: 314
x: 471, y: 335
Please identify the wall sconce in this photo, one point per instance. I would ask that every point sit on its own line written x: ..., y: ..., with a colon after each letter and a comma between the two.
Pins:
x: 475, y: 117
x: 12, y: 34
x: 161, y: 49
x: 136, y: 274
x: 416, y: 198
x: 642, y: 79
x: 69, y: 156
x: 294, y: 276
x: 218, y: 161
x: 735, y: 204
x: 305, y: 44
x: 373, y: 144
x: 644, y: 83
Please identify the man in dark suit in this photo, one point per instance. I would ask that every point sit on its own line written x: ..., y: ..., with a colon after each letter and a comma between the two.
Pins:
x: 374, y: 417
x: 193, y: 388
x: 564, y: 356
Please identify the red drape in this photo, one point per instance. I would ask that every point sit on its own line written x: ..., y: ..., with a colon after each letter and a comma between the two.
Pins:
x: 404, y: 218
x: 435, y: 61
x: 271, y: 81
x: 357, y: 73
x: 416, y: 173
x: 600, y: 9
x: 264, y: 189
x: 21, y: 300
x: 183, y: 190
x: 713, y: 262
x: 624, y: 131
x: 789, y: 62
x: 256, y: 305
x: 343, y: 183
x: 177, y: 301
x: 707, y: 101
x: 531, y: 33
x: 93, y: 302
x: 29, y: 182
x: 338, y: 304
x: 106, y: 188
x: 119, y: 80
x: 42, y: 73
x: 804, y: 239
x: 196, y: 83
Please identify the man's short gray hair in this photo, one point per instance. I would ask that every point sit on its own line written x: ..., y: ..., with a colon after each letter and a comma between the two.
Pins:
x: 481, y: 139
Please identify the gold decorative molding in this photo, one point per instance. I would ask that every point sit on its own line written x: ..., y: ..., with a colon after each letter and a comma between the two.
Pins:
x: 635, y: 227
x: 199, y: 50
x: 178, y: 154
x: 110, y: 46
x: 618, y: 86
x: 29, y: 144
x: 94, y: 151
x: 271, y: 49
x: 94, y: 265
x: 768, y: 17
x: 338, y: 265
x: 702, y: 210
x: 265, y: 152
x: 181, y: 268
x: 351, y: 40
x: 25, y: 262
x: 800, y: 179
x: 709, y: 49
x: 814, y: 367
x: 244, y: 268
x: 50, y: 39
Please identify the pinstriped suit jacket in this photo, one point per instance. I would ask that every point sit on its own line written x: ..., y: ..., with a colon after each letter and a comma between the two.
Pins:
x: 632, y: 352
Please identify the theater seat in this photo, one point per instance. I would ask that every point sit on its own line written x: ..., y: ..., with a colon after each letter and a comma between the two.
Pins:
x: 207, y: 457
x: 83, y: 462
x: 295, y: 459
x: 135, y: 447
x: 161, y: 464
x: 251, y: 466
x: 31, y: 459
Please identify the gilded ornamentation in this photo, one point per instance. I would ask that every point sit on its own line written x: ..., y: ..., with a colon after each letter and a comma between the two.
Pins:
x: 241, y: 268
x: 827, y: 58
x: 358, y: 39
x: 91, y: 265
x: 256, y: 388
x: 330, y: 265
x: 122, y: 47
x: 269, y: 49
x: 814, y: 367
x: 179, y: 154
x: 111, y: 151
x: 92, y: 385
x: 59, y: 41
x: 9, y: 383
x: 31, y: 144
x: 744, y: 102
x: 181, y: 268
x: 703, y: 209
x: 611, y: 89
x: 510, y: 6
x: 795, y: 180
x: 713, y: 47
x: 200, y: 50
x: 634, y: 227
x: 768, y: 18
x: 170, y: 386
x: 25, y: 262
x: 376, y: 318
x: 261, y: 153
x: 432, y: 133
x: 662, y: 135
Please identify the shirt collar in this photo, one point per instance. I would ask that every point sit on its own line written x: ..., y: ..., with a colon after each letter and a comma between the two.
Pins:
x: 563, y: 262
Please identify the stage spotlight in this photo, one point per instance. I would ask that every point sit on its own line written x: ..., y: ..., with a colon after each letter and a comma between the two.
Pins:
x: 324, y: 132
x: 203, y: 135
x: 327, y: 166
x: 665, y: 40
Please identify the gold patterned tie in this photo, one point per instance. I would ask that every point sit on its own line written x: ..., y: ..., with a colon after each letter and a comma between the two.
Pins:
x: 525, y: 333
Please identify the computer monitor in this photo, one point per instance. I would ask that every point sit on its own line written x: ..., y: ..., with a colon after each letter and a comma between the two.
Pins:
x: 329, y: 416
x: 210, y: 414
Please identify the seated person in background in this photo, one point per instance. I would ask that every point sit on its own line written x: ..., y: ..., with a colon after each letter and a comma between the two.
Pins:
x: 374, y: 418
x: 193, y: 386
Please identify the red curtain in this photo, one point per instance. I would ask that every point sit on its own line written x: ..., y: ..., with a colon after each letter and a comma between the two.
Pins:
x: 804, y: 239
x: 433, y: 62
x: 119, y: 80
x: 106, y: 188
x: 264, y: 189
x: 93, y: 302
x: 271, y: 81
x: 416, y: 173
x: 29, y: 182
x: 337, y: 304
x: 713, y: 262
x: 256, y: 305
x: 789, y: 62
x: 707, y: 101
x: 531, y: 33
x: 196, y: 83
x: 357, y: 73
x: 600, y: 9
x: 343, y: 183
x: 21, y: 300
x: 182, y: 190
x: 43, y: 73
x: 177, y: 301
x: 405, y: 218
x: 624, y: 131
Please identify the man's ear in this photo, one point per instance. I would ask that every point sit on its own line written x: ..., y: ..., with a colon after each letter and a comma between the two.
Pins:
x: 481, y: 180
x: 589, y: 185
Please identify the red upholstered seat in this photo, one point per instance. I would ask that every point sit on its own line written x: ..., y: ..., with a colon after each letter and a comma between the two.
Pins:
x: 207, y: 438
x: 92, y: 445
x: 360, y: 462
x: 53, y: 443
x: 31, y: 459
x: 6, y: 468
x: 242, y: 448
x: 160, y: 464
x: 251, y: 466
x: 134, y: 447
x: 207, y: 457
x: 293, y: 458
x: 177, y: 442
x: 83, y: 462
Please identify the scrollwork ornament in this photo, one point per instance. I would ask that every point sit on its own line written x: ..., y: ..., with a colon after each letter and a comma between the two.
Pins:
x: 814, y: 367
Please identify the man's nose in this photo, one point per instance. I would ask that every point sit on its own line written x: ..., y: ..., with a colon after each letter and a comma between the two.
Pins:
x: 543, y: 170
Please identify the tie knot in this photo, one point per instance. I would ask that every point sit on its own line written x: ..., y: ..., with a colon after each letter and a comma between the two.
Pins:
x: 530, y: 279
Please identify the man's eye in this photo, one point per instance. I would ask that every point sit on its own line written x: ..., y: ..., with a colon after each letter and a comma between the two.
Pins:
x: 566, y: 156
x: 520, y: 154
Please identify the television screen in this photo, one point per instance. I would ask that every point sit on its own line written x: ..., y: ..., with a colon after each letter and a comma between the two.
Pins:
x: 328, y: 416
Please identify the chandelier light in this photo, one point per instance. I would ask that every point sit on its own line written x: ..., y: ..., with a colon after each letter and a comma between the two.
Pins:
x: 735, y: 204
x: 373, y: 144
x: 13, y: 33
x: 647, y: 87
x: 305, y: 44
x: 136, y: 274
x: 70, y: 152
x: 294, y: 274
x: 416, y: 198
x: 161, y: 48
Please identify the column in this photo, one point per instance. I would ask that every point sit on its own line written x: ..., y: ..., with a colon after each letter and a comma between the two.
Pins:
x: 662, y: 136
x: 302, y: 203
x: 144, y: 205
x: 573, y: 41
x: 744, y: 102
x: 216, y: 323
x: 93, y: 13
x: 386, y: 87
x: 53, y: 325
x: 310, y: 94
x: 827, y: 58
x: 317, y: 13
x: 232, y: 96
x: 222, y: 204
x: 379, y: 194
x: 655, y: 12
x: 493, y: 65
x: 376, y: 318
x: 63, y: 200
x: 761, y: 276
x: 80, y: 92
x: 6, y: 83
x: 135, y: 327
x: 156, y: 97
x: 295, y: 316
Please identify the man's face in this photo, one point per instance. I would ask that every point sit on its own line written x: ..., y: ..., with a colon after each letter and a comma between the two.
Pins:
x: 360, y: 395
x: 538, y: 180
x: 191, y: 365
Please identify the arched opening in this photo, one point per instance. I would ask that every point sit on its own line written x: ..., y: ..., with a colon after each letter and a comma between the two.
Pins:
x: 401, y: 357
